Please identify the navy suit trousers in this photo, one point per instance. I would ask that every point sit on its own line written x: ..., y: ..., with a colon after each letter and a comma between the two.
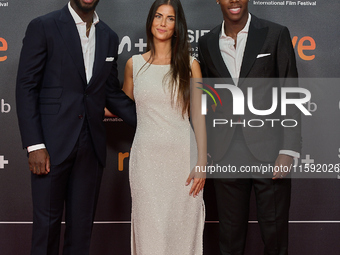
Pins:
x: 74, y: 183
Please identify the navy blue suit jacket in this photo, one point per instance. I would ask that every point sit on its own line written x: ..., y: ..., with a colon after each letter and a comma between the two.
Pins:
x: 53, y: 97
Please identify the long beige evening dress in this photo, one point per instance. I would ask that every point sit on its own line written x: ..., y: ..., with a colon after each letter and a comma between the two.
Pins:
x: 165, y: 220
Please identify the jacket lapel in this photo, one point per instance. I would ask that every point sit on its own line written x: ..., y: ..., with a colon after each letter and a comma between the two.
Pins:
x: 102, y: 44
x: 71, y: 38
x: 215, y: 53
x: 256, y: 37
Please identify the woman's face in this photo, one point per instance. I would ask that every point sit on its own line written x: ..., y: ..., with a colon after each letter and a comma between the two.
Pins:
x: 163, y: 25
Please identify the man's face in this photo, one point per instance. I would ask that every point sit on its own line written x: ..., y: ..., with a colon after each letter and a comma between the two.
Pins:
x: 234, y: 10
x: 86, y: 5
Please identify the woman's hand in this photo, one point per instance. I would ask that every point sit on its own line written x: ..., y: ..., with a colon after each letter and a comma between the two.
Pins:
x: 198, y: 178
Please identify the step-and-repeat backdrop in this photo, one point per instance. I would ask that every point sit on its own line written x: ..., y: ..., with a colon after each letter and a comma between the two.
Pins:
x: 315, y: 207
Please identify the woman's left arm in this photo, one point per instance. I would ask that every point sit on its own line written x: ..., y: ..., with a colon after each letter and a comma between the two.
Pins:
x: 198, y: 122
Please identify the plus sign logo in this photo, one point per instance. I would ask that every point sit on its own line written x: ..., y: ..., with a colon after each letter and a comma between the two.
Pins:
x: 126, y: 41
x: 308, y: 160
x: 3, y: 162
x: 141, y: 45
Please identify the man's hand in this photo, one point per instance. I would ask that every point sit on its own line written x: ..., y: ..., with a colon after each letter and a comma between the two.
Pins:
x: 39, y: 162
x: 283, y: 164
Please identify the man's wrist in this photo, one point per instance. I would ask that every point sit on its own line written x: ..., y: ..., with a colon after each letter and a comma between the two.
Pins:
x: 36, y: 147
x: 293, y: 154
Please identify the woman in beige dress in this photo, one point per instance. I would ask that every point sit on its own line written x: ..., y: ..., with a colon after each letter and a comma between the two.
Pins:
x: 167, y: 203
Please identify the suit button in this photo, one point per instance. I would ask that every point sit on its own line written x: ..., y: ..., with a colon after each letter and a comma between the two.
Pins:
x: 80, y: 117
x: 86, y: 95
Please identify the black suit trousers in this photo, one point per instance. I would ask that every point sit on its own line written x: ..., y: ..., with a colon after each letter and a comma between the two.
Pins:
x: 74, y: 183
x: 233, y: 195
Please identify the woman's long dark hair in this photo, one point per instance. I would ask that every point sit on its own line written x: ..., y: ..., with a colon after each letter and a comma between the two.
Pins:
x: 180, y: 69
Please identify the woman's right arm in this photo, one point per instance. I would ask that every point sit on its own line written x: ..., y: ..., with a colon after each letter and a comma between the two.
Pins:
x: 128, y: 79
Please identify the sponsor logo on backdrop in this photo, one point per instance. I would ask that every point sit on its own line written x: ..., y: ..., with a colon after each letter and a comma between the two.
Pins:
x: 304, y: 44
x: 284, y: 3
x: 3, y: 162
x: 4, y: 107
x: 311, y: 106
x: 140, y: 44
x: 194, y: 35
x: 3, y: 47
x: 126, y: 41
x: 112, y: 118
x: 121, y: 157
x: 3, y: 3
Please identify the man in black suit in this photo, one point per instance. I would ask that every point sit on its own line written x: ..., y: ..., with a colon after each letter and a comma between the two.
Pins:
x: 245, y: 47
x: 67, y: 75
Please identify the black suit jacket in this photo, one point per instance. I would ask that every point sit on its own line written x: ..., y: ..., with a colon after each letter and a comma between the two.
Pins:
x: 264, y: 37
x: 53, y: 97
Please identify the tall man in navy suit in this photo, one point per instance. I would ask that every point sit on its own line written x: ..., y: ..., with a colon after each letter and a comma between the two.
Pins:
x: 67, y: 75
x: 247, y: 47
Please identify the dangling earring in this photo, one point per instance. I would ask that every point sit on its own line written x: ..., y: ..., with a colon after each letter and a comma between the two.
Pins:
x: 217, y: 2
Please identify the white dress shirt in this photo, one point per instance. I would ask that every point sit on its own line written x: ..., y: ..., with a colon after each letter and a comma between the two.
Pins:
x: 233, y: 57
x: 88, y: 45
